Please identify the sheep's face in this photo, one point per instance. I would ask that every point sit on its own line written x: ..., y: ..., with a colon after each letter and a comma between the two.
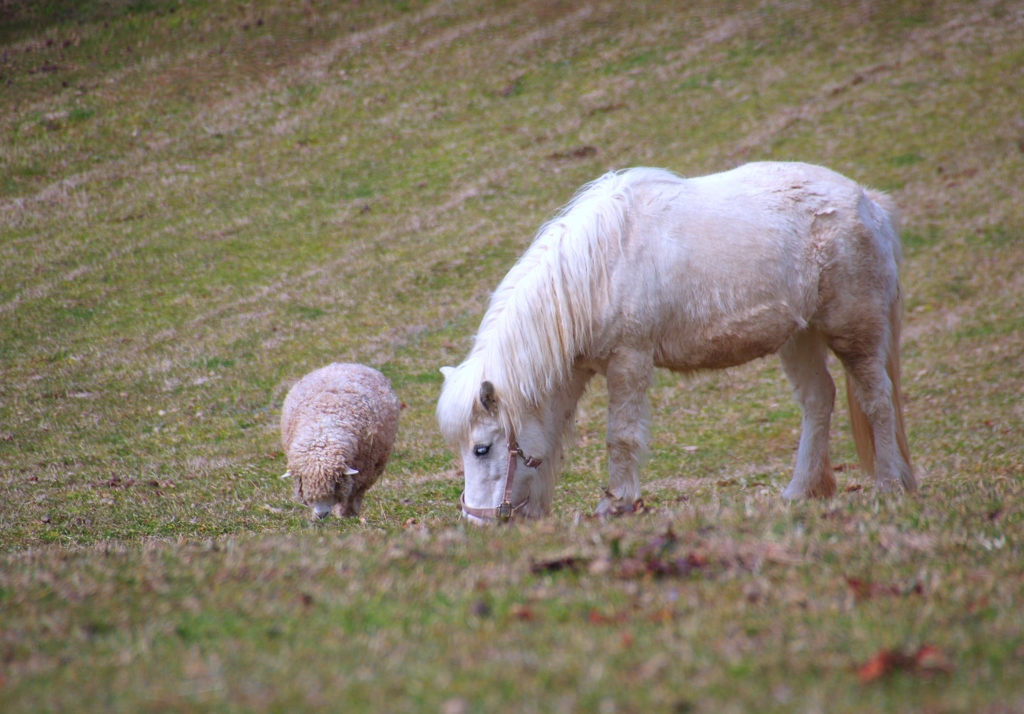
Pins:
x: 322, y: 508
x: 323, y: 502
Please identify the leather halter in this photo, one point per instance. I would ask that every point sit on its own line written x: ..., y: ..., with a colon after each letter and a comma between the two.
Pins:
x: 506, y: 511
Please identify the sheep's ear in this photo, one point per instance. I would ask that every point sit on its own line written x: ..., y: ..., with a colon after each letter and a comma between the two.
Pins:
x: 487, y: 398
x: 447, y: 371
x: 350, y: 471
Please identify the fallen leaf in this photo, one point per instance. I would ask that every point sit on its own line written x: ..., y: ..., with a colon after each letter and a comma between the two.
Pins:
x: 596, y: 617
x: 522, y: 612
x: 975, y: 605
x: 629, y: 568
x: 663, y: 616
x: 569, y: 562
x: 580, y: 152
x: 864, y: 589
x: 927, y: 660
x: 697, y: 560
x: 604, y: 109
x: 878, y: 666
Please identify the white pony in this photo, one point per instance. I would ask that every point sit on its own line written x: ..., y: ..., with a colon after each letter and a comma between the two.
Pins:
x: 646, y: 269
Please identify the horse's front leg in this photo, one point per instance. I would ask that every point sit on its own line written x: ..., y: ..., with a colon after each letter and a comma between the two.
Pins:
x: 804, y: 358
x: 629, y: 375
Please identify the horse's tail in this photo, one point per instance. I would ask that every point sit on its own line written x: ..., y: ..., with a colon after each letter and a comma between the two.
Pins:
x: 863, y: 434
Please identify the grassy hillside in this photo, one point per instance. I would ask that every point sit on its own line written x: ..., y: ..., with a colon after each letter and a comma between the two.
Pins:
x: 201, y: 201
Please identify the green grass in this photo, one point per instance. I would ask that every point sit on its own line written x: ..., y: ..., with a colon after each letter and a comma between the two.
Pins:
x: 201, y: 201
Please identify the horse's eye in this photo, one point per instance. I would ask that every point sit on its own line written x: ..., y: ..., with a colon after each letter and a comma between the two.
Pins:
x: 481, y: 449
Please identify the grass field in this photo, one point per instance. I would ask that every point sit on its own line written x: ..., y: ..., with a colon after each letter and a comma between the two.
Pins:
x: 201, y: 201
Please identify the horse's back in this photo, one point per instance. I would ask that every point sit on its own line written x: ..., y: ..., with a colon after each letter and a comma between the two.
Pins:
x: 732, y: 263
x: 758, y: 192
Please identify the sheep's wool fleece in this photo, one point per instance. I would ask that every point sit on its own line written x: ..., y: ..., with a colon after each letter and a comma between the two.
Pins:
x: 342, y: 415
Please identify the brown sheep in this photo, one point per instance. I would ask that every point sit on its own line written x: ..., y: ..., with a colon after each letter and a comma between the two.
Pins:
x: 338, y: 425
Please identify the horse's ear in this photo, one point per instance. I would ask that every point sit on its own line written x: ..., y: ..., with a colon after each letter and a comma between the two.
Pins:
x: 487, y: 399
x: 447, y: 371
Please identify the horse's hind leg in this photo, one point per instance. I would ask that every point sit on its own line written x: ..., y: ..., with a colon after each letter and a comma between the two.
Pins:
x: 629, y: 375
x: 804, y: 360
x: 873, y: 390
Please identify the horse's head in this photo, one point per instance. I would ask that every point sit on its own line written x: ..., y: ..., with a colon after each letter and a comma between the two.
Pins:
x: 492, y: 454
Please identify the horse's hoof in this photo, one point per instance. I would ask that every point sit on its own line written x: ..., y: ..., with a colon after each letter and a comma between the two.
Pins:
x: 611, y: 507
x: 888, y: 485
x: 794, y: 494
x: 823, y: 491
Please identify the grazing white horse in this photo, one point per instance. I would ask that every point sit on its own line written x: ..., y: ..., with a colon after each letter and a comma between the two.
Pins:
x: 646, y: 269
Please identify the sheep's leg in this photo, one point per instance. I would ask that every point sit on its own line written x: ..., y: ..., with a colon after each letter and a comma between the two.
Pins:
x: 342, y: 494
x: 629, y: 375
x: 354, y: 503
x: 804, y: 358
x: 350, y: 507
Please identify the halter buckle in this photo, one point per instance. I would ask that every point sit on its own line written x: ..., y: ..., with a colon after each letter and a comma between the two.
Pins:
x: 503, y: 513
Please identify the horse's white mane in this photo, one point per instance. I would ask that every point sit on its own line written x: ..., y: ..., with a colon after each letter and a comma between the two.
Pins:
x: 541, y: 316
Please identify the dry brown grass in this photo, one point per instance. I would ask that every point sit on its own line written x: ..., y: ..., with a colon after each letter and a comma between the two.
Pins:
x: 214, y: 206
